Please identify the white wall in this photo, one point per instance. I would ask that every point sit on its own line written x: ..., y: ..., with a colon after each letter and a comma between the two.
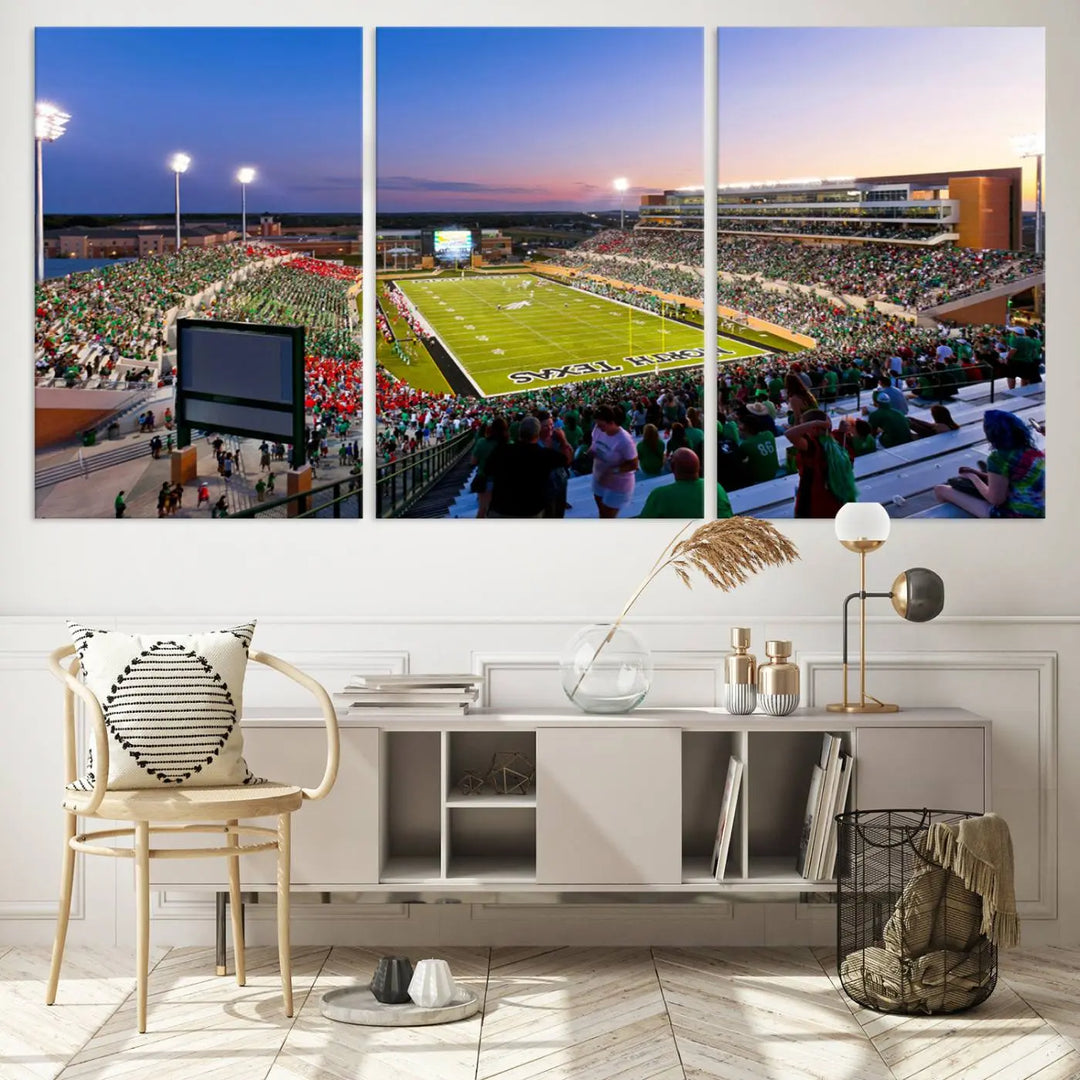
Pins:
x: 1013, y: 585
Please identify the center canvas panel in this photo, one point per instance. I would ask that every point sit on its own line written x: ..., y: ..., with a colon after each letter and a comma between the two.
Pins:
x: 540, y: 313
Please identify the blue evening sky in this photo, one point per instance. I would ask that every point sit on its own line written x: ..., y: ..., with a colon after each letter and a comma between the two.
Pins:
x: 284, y: 100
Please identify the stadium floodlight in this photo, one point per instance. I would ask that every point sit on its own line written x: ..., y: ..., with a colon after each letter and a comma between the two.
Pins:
x: 620, y: 184
x: 179, y: 164
x: 49, y: 124
x: 245, y: 176
x: 1034, y: 145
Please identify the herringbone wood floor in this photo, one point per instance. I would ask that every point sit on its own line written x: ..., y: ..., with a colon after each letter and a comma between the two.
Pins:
x: 549, y: 1013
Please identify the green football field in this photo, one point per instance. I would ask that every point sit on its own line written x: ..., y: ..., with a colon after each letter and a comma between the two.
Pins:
x: 518, y: 332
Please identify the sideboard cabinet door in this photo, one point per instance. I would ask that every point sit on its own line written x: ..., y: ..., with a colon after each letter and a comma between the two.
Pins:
x: 899, y: 768
x: 335, y: 841
x: 609, y: 806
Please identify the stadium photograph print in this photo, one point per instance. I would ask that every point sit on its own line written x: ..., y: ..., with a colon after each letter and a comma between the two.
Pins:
x: 880, y: 232
x: 540, y: 320
x: 193, y: 359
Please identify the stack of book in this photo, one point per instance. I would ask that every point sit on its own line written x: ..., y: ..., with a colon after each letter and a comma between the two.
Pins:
x: 829, y: 784
x: 409, y: 695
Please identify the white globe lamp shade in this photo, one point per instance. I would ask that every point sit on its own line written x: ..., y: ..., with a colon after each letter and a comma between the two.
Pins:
x: 246, y: 175
x: 179, y: 163
x: 621, y: 184
x: 862, y: 526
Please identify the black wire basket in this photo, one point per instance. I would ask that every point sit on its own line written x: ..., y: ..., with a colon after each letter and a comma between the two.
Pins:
x: 907, y: 931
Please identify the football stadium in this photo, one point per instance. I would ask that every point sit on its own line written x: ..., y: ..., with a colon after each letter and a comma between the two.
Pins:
x: 854, y: 292
x: 892, y: 349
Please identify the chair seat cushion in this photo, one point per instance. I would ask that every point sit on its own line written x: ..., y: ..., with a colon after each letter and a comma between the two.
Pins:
x: 191, y: 804
x: 171, y: 705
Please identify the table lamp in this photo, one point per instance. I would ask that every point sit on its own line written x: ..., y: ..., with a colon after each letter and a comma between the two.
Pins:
x: 917, y: 595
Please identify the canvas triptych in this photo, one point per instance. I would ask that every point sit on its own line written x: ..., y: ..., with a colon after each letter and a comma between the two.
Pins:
x: 549, y: 272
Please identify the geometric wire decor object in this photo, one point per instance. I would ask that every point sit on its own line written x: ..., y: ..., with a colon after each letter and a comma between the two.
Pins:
x: 511, y: 773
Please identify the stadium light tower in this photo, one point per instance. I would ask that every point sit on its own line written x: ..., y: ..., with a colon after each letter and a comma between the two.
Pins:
x: 1026, y: 146
x: 178, y: 164
x: 245, y: 176
x: 49, y: 124
x: 621, y: 184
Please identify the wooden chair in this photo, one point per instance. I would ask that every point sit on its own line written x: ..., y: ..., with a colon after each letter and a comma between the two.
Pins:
x: 179, y: 810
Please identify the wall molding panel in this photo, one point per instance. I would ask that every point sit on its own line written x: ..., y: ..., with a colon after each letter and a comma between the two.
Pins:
x: 1003, y: 668
x: 903, y: 677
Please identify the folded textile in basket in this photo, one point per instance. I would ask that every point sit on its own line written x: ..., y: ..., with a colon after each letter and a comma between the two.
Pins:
x: 935, y: 911
x: 979, y: 849
x: 944, y: 980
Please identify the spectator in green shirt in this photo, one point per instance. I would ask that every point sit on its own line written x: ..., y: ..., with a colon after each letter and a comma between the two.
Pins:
x: 859, y: 439
x: 892, y: 424
x: 1022, y: 359
x: 695, y: 432
x: 684, y: 497
x: 650, y: 452
x: 571, y: 427
x: 758, y: 444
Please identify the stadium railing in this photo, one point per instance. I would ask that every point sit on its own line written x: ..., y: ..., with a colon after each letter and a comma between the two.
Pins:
x: 338, y: 499
x: 400, y: 485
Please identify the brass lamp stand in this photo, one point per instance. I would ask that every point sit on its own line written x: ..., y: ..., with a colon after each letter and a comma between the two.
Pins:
x: 917, y: 595
x: 866, y: 703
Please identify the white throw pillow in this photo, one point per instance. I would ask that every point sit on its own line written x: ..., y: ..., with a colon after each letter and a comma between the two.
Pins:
x: 172, y: 706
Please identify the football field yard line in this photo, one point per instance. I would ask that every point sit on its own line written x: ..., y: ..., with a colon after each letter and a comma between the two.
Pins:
x: 550, y: 335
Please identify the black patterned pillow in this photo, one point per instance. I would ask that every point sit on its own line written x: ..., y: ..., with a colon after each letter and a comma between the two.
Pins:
x: 172, y: 706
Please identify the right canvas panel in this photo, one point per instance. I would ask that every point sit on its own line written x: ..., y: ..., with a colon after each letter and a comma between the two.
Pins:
x: 881, y: 238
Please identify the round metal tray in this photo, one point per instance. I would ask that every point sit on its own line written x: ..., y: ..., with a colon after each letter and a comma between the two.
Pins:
x: 357, y: 1005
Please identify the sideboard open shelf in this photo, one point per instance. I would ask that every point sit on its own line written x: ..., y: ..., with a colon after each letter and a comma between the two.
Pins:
x: 620, y: 804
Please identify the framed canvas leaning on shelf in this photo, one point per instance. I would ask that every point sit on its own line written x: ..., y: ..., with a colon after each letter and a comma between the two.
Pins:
x: 726, y: 826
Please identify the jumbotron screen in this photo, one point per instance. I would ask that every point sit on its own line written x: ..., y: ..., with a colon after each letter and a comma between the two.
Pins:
x: 453, y: 244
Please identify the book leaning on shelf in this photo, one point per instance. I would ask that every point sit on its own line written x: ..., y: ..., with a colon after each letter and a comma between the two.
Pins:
x: 811, y: 820
x: 846, y: 764
x: 726, y: 825
x: 829, y: 762
x: 829, y: 785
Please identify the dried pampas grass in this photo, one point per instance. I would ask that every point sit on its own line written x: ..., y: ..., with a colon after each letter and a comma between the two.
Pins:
x: 725, y: 552
x: 728, y: 551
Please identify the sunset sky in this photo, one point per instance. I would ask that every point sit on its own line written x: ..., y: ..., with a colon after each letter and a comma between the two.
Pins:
x: 868, y: 101
x: 517, y: 118
x: 286, y: 101
x: 535, y: 118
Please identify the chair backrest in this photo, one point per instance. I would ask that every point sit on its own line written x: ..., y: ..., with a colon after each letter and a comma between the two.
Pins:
x: 73, y: 688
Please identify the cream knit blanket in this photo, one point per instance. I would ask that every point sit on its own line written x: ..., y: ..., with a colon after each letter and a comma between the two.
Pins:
x: 980, y: 851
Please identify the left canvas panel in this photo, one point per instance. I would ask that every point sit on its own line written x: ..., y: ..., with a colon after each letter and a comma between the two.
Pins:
x: 197, y: 340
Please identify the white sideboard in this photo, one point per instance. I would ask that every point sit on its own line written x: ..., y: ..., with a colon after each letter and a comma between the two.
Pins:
x: 625, y: 803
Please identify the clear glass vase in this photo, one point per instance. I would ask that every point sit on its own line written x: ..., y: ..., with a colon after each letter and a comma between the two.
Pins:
x: 605, y: 671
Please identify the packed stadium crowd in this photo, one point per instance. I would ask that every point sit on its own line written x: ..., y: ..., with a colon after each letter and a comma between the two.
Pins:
x: 121, y: 309
x: 911, y: 277
x: 643, y: 426
x: 314, y: 294
x: 405, y: 312
x: 845, y: 333
x: 866, y: 230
